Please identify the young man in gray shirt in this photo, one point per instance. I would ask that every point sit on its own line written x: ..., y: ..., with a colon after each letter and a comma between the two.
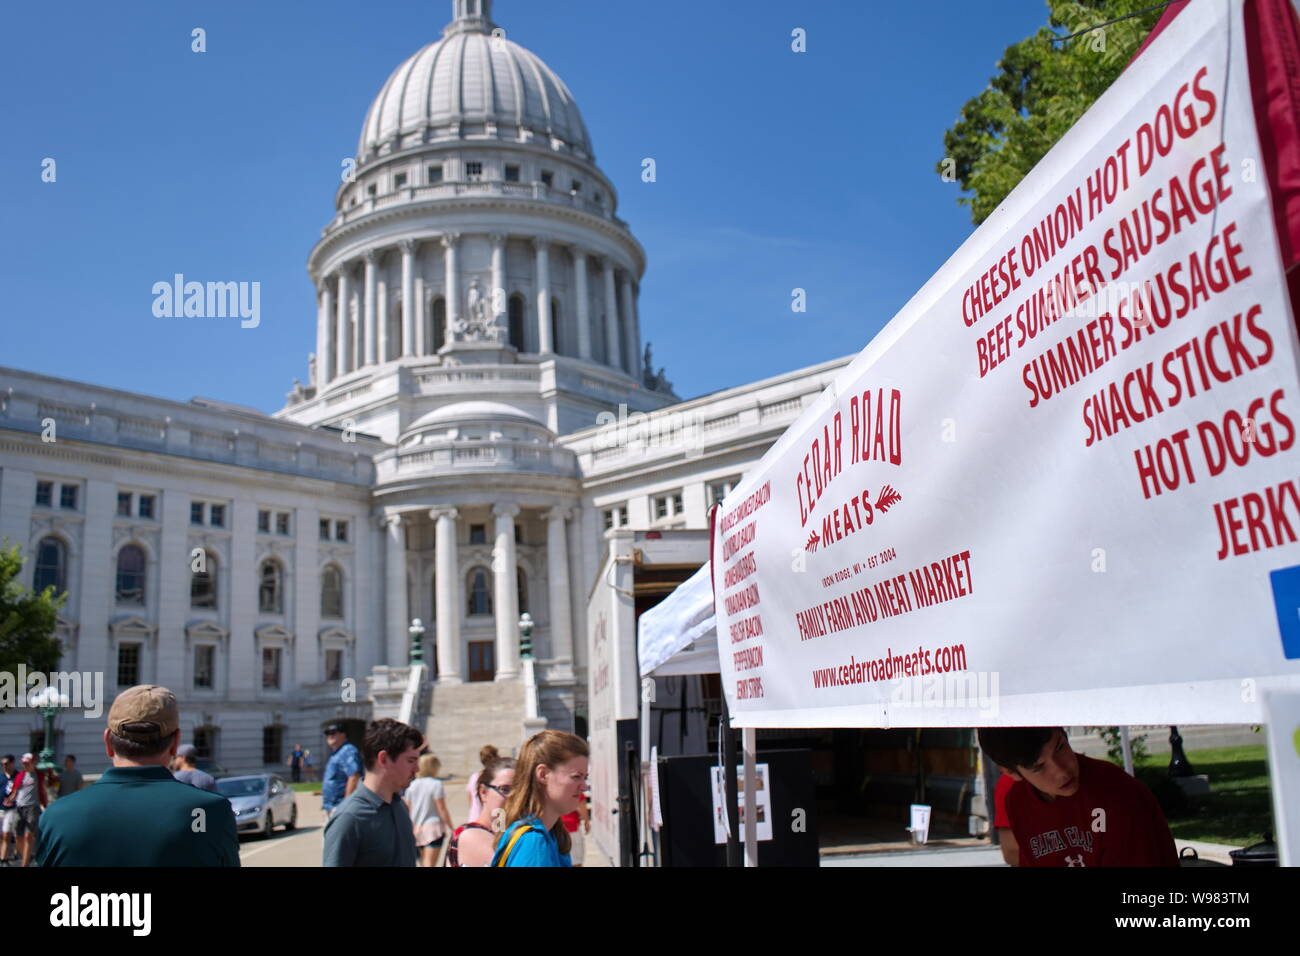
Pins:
x: 372, y: 827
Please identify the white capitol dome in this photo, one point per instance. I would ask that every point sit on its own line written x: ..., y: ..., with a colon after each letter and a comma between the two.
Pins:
x: 474, y: 228
x: 473, y: 81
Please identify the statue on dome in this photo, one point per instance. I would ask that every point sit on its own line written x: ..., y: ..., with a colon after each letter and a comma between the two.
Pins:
x: 478, y: 324
x: 654, y: 381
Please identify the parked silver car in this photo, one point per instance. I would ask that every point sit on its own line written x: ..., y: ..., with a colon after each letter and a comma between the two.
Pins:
x: 261, y: 801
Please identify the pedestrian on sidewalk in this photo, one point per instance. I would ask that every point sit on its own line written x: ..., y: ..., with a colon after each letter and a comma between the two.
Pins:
x: 472, y: 844
x: 295, y: 762
x: 487, y: 754
x: 426, y: 802
x: 185, y: 768
x: 8, y: 818
x: 27, y: 796
x: 342, y: 773
x: 137, y: 813
x: 372, y: 827
x: 70, y: 780
x: 550, y: 779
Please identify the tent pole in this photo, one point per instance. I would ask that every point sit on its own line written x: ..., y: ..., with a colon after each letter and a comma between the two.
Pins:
x: 647, y: 695
x: 748, y: 743
x: 729, y: 776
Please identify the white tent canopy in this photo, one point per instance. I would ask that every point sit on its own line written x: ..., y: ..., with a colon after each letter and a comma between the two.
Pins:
x: 679, y: 635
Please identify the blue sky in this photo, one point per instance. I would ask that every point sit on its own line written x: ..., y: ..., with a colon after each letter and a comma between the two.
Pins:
x: 776, y: 170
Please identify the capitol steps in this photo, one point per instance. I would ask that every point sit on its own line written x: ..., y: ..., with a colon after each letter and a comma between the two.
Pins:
x: 465, y: 717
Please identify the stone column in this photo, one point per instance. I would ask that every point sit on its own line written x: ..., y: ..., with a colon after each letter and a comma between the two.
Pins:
x: 326, y: 340
x: 395, y: 586
x: 557, y: 574
x: 356, y: 316
x: 584, y: 311
x: 368, y: 315
x: 543, y: 273
x: 506, y: 605
x: 381, y: 321
x: 418, y: 305
x: 450, y: 283
x: 342, y: 340
x: 632, y: 327
x: 448, y: 596
x: 408, y: 297
x: 612, y: 338
x: 497, y: 294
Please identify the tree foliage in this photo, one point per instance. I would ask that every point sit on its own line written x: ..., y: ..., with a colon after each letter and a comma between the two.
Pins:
x: 1043, y: 86
x: 27, y: 619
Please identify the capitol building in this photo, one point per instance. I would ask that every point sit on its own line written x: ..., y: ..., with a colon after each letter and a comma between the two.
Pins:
x: 478, y: 416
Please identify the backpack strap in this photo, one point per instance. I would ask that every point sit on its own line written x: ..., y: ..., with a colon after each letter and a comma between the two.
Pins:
x: 513, y: 840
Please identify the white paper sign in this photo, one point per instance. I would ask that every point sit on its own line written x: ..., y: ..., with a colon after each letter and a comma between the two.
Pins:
x: 762, y: 803
x: 1063, y: 484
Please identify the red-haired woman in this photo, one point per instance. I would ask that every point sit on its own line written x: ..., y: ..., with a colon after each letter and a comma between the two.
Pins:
x: 550, y: 780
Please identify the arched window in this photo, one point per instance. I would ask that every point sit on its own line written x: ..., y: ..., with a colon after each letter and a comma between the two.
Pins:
x: 51, y: 566
x: 555, y: 326
x: 331, y: 592
x: 439, y: 313
x: 516, y: 311
x: 521, y: 582
x: 478, y: 589
x: 203, y: 581
x: 130, y: 575
x: 270, y: 591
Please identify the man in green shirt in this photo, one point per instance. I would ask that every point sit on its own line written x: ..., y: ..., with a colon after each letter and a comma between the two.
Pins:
x: 137, y: 813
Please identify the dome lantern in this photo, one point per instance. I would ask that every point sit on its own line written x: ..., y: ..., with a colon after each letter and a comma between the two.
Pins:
x: 470, y: 16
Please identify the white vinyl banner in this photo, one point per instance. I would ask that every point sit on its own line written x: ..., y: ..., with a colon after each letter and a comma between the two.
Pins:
x: 1062, y: 485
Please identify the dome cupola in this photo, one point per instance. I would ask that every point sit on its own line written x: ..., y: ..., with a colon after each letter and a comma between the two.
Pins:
x: 472, y: 83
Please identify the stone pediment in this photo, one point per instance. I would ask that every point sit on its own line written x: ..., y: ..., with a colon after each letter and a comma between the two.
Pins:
x: 198, y: 630
x: 334, y: 634
x: 131, y: 624
x: 274, y: 634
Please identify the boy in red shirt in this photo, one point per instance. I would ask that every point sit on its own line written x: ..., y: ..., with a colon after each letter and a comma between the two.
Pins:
x: 1070, y: 810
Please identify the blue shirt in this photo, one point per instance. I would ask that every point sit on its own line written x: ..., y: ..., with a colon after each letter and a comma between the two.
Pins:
x: 345, y: 762
x: 535, y: 848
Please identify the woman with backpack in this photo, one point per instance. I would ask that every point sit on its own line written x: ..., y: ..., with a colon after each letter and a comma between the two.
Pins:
x: 472, y: 844
x: 550, y: 779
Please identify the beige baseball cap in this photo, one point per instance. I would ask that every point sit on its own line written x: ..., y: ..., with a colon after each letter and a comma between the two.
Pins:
x: 141, y: 705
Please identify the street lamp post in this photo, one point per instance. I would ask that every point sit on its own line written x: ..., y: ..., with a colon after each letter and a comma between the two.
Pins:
x: 416, y: 630
x: 49, y: 701
x: 525, y: 635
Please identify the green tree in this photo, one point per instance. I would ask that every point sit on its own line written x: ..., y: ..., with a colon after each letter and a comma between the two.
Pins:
x: 26, y: 619
x: 1044, y: 85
